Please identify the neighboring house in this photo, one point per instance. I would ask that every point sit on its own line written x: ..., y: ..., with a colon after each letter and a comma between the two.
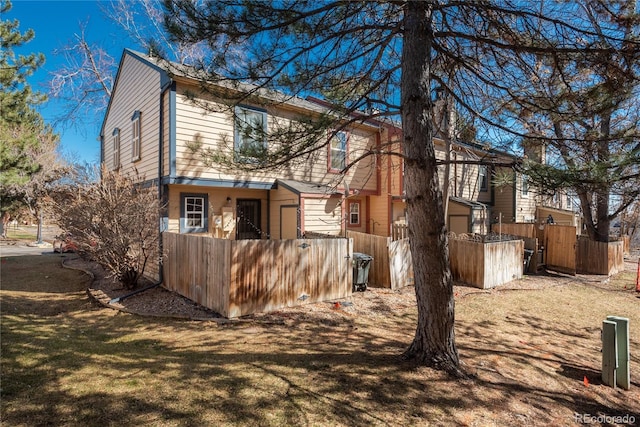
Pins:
x: 152, y: 126
x: 472, y: 194
x: 477, y: 199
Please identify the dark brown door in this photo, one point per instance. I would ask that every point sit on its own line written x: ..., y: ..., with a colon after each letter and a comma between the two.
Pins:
x: 248, y: 213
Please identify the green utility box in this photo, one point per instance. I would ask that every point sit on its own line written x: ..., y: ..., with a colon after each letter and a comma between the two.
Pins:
x: 615, y: 352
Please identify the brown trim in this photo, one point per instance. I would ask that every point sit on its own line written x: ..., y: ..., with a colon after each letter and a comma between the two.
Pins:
x: 368, y: 214
x: 378, y: 165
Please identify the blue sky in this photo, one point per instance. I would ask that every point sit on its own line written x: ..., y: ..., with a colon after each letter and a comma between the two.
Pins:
x: 55, y: 23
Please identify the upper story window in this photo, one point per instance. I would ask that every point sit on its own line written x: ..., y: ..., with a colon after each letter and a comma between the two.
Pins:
x: 525, y: 185
x: 250, y: 139
x: 483, y: 178
x: 115, y: 137
x: 136, y: 128
x: 354, y: 213
x: 338, y: 151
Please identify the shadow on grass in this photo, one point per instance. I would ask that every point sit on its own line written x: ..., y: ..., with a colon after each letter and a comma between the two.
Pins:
x: 67, y: 362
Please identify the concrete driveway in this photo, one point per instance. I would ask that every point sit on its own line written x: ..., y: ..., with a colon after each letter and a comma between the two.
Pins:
x: 15, y: 250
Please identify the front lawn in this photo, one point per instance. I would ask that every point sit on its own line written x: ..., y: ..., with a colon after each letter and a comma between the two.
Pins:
x: 66, y: 361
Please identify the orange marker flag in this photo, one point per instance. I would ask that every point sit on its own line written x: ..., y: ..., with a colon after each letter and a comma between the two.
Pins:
x: 586, y: 381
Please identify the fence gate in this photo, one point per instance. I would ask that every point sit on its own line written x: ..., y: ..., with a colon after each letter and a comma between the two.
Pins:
x: 560, y: 248
x: 400, y: 264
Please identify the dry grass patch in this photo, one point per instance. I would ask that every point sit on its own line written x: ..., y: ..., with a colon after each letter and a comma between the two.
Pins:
x: 528, y: 352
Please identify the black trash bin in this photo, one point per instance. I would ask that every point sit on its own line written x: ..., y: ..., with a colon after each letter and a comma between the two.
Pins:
x: 361, y: 265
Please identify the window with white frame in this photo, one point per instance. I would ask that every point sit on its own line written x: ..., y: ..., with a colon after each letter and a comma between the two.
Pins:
x: 135, y: 136
x: 354, y: 213
x: 115, y: 137
x: 525, y: 185
x: 338, y: 151
x: 483, y: 178
x: 250, y: 140
x: 193, y: 213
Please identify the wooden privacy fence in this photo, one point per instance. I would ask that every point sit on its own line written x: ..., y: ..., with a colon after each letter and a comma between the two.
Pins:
x: 560, y: 248
x: 486, y: 264
x: 239, y: 277
x: 479, y: 264
x: 399, y: 231
x: 378, y: 248
x: 599, y: 257
x: 391, y: 266
x: 626, y: 244
x: 521, y: 229
x: 400, y: 264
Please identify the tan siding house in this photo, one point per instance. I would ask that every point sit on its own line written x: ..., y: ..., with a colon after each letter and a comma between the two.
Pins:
x: 475, y: 200
x: 152, y: 126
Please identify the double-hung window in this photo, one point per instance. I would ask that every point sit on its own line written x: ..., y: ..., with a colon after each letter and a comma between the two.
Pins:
x: 338, y: 151
x: 354, y: 213
x: 250, y: 139
x: 135, y: 136
x: 193, y: 213
x: 483, y: 178
x: 525, y: 185
x: 115, y: 137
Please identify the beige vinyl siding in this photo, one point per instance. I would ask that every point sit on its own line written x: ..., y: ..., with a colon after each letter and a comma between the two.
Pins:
x: 503, y: 201
x: 323, y: 215
x: 525, y: 205
x: 214, y: 130
x: 464, y: 179
x: 209, y: 130
x: 280, y: 197
x: 138, y: 89
x: 363, y: 175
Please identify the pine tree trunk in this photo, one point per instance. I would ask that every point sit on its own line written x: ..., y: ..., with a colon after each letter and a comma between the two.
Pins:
x: 434, y: 342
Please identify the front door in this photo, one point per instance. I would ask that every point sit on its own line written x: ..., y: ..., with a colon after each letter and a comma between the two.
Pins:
x: 248, y: 212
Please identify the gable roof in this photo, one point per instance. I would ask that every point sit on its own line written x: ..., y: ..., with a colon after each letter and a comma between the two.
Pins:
x: 165, y: 80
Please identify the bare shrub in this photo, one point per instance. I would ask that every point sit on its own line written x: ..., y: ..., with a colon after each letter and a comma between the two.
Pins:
x: 114, y: 222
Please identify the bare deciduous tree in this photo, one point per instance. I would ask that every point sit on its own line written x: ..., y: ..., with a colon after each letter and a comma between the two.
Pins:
x: 114, y: 221
x: 85, y: 80
x: 84, y: 83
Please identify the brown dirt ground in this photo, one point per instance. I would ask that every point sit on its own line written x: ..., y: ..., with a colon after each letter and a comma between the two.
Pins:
x: 375, y: 301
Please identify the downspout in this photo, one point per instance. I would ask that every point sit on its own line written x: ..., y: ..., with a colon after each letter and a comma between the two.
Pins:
x: 389, y: 187
x: 269, y: 215
x: 161, y: 199
x: 515, y: 195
